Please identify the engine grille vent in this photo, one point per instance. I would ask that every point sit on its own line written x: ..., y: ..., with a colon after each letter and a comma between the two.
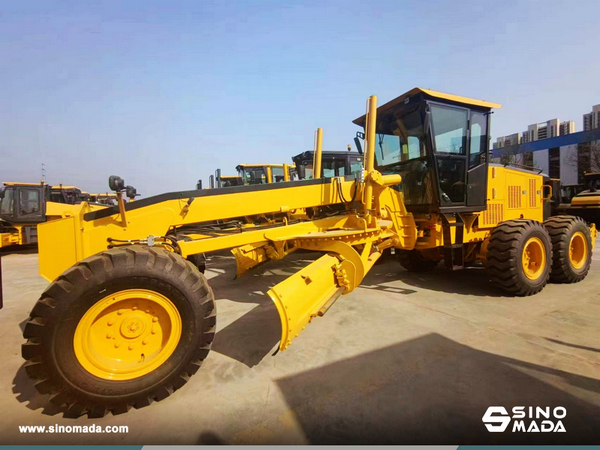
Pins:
x: 493, y: 214
x: 532, y: 193
x: 514, y: 197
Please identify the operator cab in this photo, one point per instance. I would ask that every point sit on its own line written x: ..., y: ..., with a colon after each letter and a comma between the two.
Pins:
x: 333, y: 164
x: 262, y: 173
x: 69, y: 195
x: 439, y: 144
x: 231, y: 180
x: 22, y: 203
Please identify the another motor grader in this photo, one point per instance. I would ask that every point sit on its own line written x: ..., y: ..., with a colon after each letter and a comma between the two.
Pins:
x: 127, y: 318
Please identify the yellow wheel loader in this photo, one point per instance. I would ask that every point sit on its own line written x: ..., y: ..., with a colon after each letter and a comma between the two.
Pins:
x: 127, y: 319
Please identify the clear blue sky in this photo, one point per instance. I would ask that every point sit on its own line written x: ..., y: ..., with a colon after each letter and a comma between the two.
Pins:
x: 163, y: 93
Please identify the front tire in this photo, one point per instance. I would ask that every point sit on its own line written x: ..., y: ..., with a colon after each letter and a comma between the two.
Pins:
x: 120, y: 329
x: 519, y: 256
x: 571, y: 248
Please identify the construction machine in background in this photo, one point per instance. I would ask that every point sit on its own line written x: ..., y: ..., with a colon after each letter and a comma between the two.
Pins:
x: 111, y: 199
x: 586, y: 203
x: 127, y: 319
x: 252, y: 174
x: 107, y: 198
x: 25, y: 205
x: 333, y: 163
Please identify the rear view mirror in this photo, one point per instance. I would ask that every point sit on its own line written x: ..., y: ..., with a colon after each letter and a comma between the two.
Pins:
x: 358, y: 145
x: 116, y: 183
x: 131, y: 192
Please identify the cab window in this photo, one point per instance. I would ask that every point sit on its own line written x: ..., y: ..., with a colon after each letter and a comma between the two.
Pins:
x: 356, y: 166
x: 29, y: 201
x: 478, y: 138
x: 277, y: 174
x: 6, y: 205
x: 399, y: 139
x: 450, y: 129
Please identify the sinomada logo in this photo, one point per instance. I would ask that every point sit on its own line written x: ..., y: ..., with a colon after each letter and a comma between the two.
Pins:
x: 526, y: 419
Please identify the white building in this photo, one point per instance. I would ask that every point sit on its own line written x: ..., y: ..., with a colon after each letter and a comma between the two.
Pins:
x: 591, y: 120
x: 567, y: 127
x: 536, y: 132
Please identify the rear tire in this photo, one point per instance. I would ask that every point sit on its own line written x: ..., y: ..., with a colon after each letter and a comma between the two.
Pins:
x: 59, y: 317
x: 571, y: 248
x: 414, y: 261
x: 519, y: 256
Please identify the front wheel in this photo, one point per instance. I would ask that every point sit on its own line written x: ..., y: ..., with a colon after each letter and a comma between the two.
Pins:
x: 120, y: 329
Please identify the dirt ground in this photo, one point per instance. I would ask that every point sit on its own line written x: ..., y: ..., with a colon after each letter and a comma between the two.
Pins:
x: 406, y: 358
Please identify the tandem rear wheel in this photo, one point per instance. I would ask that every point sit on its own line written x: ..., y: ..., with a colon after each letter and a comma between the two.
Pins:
x: 122, y: 328
x: 519, y: 256
x: 571, y: 248
x: 523, y: 255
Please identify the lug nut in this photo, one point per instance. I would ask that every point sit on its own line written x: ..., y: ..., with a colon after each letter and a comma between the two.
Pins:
x: 109, y: 323
x: 144, y: 342
x: 117, y: 344
x: 120, y: 312
x: 109, y: 336
x: 131, y: 347
x: 155, y: 319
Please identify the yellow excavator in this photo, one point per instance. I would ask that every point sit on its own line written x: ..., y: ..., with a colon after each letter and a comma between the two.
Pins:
x: 127, y: 319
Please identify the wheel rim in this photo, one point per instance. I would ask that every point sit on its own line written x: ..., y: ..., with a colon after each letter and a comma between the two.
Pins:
x: 127, y: 334
x: 578, y: 251
x: 534, y: 258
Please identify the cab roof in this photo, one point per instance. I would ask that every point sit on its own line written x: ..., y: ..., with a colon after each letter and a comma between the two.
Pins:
x: 262, y: 165
x: 431, y: 94
x: 13, y: 183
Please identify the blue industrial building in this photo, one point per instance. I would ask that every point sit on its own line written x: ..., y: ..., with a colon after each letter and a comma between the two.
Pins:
x: 566, y: 157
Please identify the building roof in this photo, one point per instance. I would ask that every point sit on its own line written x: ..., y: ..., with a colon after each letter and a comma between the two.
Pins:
x: 434, y: 94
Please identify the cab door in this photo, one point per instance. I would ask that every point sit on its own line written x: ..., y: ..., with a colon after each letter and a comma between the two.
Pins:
x: 478, y: 160
x: 450, y: 137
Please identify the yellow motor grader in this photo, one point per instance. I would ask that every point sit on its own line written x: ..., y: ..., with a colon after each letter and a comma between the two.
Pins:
x: 127, y: 319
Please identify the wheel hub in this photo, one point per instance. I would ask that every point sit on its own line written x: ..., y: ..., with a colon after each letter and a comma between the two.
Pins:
x: 578, y: 252
x: 534, y: 258
x: 127, y: 334
x: 133, y: 327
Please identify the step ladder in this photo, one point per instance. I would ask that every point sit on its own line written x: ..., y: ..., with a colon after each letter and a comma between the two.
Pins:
x: 454, y: 253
